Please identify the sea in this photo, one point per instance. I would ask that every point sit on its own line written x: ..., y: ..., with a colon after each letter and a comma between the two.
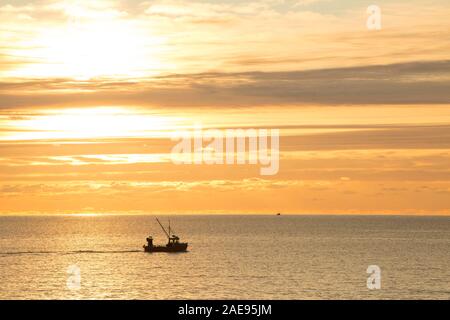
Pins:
x: 229, y: 257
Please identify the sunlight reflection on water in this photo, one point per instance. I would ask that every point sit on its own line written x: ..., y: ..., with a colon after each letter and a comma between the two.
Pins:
x: 230, y: 257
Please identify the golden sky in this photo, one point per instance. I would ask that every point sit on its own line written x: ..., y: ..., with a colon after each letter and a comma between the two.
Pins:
x: 92, y: 91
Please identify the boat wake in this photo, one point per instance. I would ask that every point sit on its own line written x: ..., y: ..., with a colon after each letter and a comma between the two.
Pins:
x: 66, y: 252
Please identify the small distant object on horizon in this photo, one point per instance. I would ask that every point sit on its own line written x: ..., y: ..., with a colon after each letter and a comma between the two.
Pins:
x: 278, y: 214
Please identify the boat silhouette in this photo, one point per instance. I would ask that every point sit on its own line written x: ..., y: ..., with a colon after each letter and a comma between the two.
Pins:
x: 173, y: 244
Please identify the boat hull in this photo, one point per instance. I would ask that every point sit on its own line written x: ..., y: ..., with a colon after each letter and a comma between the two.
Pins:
x: 181, y: 247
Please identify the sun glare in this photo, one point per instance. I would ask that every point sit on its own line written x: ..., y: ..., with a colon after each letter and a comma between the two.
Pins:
x: 92, y: 47
x: 92, y: 123
x: 85, y: 214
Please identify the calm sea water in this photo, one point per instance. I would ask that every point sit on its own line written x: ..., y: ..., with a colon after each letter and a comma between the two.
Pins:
x: 230, y: 257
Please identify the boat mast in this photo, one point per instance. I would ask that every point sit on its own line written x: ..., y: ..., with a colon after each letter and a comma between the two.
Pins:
x: 168, y: 236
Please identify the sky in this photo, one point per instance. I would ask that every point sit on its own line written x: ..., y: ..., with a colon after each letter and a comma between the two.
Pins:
x: 91, y: 93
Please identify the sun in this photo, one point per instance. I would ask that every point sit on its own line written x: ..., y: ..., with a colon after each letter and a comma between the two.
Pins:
x: 89, y: 46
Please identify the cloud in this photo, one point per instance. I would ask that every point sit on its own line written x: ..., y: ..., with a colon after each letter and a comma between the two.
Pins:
x: 404, y: 83
x: 200, y: 36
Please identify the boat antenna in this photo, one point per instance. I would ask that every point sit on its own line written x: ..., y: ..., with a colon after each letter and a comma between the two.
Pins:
x: 168, y: 236
x: 169, y: 228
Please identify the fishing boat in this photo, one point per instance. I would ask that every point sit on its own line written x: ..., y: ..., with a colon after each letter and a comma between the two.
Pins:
x: 173, y: 244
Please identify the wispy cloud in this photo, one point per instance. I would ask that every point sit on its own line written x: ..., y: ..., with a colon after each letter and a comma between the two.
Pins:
x: 200, y: 36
